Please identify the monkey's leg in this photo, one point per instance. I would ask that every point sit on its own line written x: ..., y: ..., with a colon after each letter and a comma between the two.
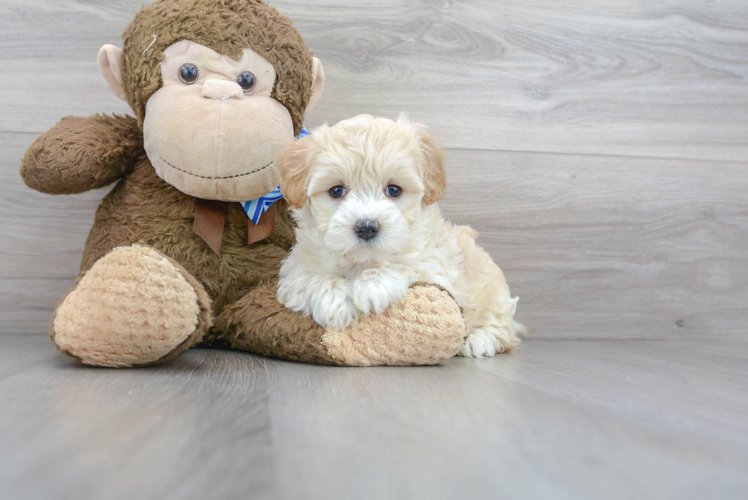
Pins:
x: 425, y: 329
x: 134, y: 307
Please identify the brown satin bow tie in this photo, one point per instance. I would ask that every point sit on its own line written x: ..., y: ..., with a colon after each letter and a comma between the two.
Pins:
x: 210, y: 218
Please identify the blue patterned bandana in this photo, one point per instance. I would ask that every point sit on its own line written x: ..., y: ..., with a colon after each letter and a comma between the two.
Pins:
x: 255, y: 208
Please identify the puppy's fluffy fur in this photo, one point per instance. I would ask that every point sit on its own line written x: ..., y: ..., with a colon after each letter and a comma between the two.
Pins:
x: 336, y: 276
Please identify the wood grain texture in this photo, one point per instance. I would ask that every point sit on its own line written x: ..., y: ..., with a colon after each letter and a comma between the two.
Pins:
x: 665, y: 78
x: 561, y: 420
x: 601, y: 246
x: 135, y: 433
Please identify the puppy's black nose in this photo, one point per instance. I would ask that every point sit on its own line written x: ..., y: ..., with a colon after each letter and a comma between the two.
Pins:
x: 366, y: 229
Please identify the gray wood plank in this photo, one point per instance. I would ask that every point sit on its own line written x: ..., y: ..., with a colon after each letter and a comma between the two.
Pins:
x: 572, y: 419
x: 595, y: 246
x: 671, y: 379
x: 451, y: 432
x: 665, y: 79
x: 27, y: 304
x: 197, y: 428
x: 24, y: 352
x: 601, y: 246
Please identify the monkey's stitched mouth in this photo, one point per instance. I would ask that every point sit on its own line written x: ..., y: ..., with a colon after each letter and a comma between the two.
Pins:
x: 215, y: 178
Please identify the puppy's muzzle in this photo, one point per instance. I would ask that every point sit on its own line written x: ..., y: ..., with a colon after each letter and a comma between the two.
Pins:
x: 366, y: 229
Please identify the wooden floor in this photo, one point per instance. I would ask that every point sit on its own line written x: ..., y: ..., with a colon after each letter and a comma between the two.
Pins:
x: 617, y: 419
x: 600, y: 148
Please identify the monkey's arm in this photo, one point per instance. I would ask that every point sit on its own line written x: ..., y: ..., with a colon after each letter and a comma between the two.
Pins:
x: 79, y: 154
x: 425, y: 329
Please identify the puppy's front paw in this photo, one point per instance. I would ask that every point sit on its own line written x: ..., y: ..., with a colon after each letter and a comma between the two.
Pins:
x: 376, y: 290
x: 332, y: 306
x: 487, y: 342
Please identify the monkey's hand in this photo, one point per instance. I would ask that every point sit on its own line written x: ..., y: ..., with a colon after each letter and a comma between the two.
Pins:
x: 424, y: 329
x: 79, y: 154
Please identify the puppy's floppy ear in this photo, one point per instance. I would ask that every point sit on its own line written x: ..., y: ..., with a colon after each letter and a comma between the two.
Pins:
x: 434, y: 170
x: 295, y: 171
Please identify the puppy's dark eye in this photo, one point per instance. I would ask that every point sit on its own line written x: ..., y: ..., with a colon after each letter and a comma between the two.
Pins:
x: 246, y: 81
x: 188, y: 73
x: 394, y: 191
x: 337, y: 191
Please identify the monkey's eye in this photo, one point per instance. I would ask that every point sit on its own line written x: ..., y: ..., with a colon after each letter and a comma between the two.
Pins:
x: 337, y: 192
x: 188, y: 73
x: 393, y: 191
x: 246, y: 81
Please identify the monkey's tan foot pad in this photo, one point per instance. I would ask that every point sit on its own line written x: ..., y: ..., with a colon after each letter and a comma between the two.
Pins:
x: 425, y: 329
x: 135, y: 306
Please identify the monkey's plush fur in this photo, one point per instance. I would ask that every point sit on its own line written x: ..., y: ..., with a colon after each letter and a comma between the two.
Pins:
x: 149, y: 286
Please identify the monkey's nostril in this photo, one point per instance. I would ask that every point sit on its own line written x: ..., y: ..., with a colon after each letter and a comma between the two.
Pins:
x: 366, y: 229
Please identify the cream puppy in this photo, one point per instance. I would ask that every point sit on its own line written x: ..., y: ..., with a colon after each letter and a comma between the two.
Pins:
x: 364, y: 194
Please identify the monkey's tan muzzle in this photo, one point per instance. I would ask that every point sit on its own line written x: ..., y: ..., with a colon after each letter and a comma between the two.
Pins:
x: 219, y: 146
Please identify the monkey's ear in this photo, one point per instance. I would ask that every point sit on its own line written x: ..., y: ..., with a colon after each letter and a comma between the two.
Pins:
x: 318, y: 84
x: 295, y: 171
x: 434, y: 170
x: 110, y: 65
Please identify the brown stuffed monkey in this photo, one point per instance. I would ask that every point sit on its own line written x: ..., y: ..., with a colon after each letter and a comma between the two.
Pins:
x: 219, y: 88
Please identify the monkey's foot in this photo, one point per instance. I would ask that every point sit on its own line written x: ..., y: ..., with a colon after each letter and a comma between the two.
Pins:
x: 426, y: 328
x: 135, y: 306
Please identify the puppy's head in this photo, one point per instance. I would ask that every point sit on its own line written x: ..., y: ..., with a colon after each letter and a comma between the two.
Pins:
x: 363, y: 183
